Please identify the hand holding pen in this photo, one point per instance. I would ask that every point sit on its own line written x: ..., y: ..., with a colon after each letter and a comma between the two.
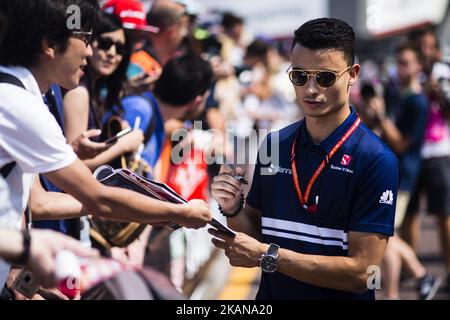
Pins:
x: 228, y: 187
x: 236, y: 171
x: 239, y: 178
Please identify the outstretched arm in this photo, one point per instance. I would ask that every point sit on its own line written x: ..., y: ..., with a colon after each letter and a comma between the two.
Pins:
x: 47, y: 205
x: 125, y: 205
x: 347, y: 273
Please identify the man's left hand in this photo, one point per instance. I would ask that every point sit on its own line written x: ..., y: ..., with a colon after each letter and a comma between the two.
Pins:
x: 242, y: 250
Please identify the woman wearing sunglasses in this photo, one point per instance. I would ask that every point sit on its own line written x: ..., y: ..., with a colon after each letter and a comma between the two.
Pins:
x: 101, y: 89
x: 317, y: 217
x: 98, y: 101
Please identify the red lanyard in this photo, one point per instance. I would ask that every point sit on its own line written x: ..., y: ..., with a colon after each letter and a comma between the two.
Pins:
x: 304, y: 200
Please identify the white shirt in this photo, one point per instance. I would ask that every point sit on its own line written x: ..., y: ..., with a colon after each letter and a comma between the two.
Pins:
x: 30, y: 136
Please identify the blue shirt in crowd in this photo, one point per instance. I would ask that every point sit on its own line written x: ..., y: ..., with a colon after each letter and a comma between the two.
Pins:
x: 411, y: 120
x: 55, y: 106
x: 356, y: 192
x: 147, y: 109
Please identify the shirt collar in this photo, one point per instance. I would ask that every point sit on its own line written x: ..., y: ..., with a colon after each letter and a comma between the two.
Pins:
x: 333, y: 138
x: 26, y: 77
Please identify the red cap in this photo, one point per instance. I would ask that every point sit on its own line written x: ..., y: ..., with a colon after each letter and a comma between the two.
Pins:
x: 131, y: 13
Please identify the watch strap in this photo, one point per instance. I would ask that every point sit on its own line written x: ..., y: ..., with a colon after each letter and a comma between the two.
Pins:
x: 273, y: 250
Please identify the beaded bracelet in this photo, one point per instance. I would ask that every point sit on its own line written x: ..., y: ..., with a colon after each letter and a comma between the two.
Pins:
x: 235, y: 213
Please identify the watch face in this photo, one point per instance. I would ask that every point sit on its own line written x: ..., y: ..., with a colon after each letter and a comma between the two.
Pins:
x: 269, y: 263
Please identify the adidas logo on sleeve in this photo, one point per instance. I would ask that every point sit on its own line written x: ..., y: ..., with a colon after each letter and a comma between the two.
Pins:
x: 387, y: 197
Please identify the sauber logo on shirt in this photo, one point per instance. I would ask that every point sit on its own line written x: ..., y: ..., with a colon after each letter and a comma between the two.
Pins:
x: 346, y: 159
x: 345, y: 163
x: 341, y: 169
x: 387, y: 197
x: 273, y: 169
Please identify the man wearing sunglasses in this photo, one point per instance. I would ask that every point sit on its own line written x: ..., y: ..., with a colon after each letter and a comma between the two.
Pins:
x: 318, y: 221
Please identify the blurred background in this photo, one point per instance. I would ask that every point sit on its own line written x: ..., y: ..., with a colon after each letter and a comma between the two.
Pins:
x: 253, y: 38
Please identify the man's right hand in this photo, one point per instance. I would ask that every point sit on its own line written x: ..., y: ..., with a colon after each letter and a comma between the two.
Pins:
x: 226, y: 189
x: 196, y: 214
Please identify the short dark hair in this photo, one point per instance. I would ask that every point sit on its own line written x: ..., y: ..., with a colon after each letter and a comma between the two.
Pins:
x: 416, y: 34
x: 257, y: 48
x: 32, y: 21
x: 403, y: 46
x: 327, y: 33
x: 163, y: 15
x: 183, y: 78
x: 229, y: 20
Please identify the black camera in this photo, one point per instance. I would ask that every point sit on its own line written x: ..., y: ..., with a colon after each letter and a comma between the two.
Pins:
x: 367, y: 91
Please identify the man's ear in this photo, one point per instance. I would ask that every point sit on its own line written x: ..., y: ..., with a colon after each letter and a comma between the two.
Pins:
x: 353, y: 72
x: 196, y: 102
x: 195, y: 107
x: 47, y: 49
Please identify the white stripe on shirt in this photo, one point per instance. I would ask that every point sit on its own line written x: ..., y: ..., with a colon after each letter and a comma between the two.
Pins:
x: 286, y: 225
x: 306, y: 239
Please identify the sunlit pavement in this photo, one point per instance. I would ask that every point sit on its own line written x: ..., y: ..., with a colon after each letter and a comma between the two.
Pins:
x: 429, y: 254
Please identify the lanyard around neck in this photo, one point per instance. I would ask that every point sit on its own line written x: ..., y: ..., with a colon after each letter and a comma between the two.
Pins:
x: 304, y: 199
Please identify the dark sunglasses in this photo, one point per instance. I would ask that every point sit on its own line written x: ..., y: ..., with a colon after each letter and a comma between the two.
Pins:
x: 104, y: 43
x: 323, y: 78
x: 85, y: 36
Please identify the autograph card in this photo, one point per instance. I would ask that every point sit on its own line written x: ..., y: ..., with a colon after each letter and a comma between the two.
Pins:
x: 221, y: 227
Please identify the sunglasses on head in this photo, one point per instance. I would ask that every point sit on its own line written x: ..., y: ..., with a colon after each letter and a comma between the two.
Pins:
x: 85, y: 36
x: 104, y: 43
x: 323, y: 78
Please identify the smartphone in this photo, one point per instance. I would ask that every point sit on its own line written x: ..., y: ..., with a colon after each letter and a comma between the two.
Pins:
x: 118, y: 135
x: 25, y: 284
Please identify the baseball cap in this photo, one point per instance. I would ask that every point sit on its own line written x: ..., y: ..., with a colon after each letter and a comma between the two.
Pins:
x: 131, y: 13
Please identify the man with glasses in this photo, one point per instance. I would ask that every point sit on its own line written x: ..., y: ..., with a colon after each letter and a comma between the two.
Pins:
x: 318, y: 221
x: 85, y: 36
x: 36, y: 52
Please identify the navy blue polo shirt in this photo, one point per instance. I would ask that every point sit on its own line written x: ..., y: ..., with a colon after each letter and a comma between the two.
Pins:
x: 356, y: 192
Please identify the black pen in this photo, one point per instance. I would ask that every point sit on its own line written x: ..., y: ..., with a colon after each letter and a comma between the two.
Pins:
x: 239, y: 178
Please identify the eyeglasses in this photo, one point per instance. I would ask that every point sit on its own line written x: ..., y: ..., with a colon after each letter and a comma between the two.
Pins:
x: 105, y: 43
x: 323, y: 78
x: 85, y: 36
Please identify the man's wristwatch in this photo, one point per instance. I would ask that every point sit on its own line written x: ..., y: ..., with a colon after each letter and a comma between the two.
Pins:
x: 269, y: 260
